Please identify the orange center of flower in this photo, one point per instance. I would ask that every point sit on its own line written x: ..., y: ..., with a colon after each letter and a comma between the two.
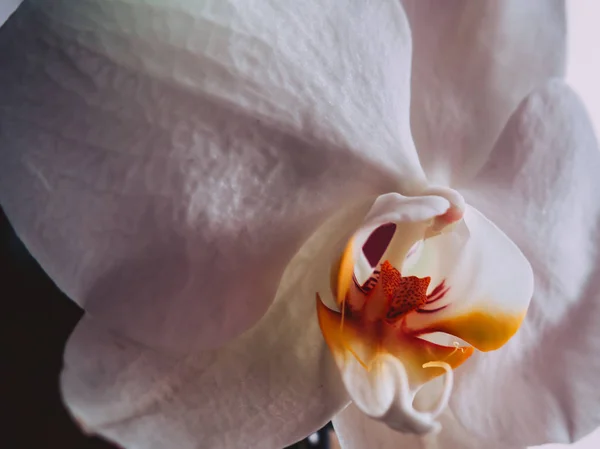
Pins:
x: 372, y: 318
x: 387, y: 295
x: 404, y: 294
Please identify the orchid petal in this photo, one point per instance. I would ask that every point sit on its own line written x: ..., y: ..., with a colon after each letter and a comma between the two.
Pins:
x: 540, y: 187
x: 163, y: 161
x: 267, y: 389
x: 485, y: 284
x: 473, y: 63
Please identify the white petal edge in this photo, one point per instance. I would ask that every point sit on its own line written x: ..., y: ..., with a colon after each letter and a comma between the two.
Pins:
x: 7, y: 7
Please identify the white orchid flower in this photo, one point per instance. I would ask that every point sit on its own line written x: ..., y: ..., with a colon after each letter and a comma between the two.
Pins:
x: 190, y: 172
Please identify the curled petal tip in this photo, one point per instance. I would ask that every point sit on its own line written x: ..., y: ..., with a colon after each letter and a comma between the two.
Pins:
x: 452, y: 215
x: 454, y: 198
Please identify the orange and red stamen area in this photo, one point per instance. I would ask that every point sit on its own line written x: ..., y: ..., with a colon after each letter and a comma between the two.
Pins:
x: 372, y: 320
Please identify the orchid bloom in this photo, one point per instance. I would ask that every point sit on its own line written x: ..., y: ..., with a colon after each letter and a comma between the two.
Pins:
x: 194, y: 174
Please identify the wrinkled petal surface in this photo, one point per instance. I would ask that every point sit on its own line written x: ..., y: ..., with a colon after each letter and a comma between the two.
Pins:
x: 267, y: 389
x: 163, y: 161
x: 473, y: 63
x: 540, y: 187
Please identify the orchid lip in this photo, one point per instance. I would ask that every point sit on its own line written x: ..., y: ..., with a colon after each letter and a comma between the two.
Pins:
x: 387, y: 298
x: 416, y: 299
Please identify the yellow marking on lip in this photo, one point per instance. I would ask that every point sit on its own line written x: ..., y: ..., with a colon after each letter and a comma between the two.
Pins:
x: 486, y: 331
x: 345, y: 272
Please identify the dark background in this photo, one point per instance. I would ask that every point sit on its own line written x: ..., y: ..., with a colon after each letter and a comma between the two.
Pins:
x: 35, y: 322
